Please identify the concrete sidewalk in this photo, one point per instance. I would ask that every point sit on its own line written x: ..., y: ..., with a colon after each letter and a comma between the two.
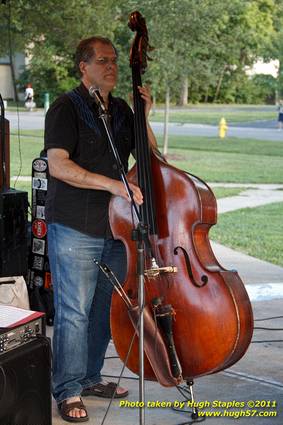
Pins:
x: 253, y: 195
x: 251, y: 270
x: 257, y: 377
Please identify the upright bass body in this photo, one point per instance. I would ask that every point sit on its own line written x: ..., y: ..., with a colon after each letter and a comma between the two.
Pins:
x: 213, y: 322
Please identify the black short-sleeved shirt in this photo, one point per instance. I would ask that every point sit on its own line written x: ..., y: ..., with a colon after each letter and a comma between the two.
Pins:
x: 72, y: 123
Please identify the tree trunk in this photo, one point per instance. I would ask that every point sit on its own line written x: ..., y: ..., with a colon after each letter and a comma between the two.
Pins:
x: 206, y: 95
x: 217, y: 91
x: 166, y: 121
x: 184, y: 92
x: 280, y: 81
x: 153, y: 109
x: 11, y: 60
x: 13, y: 77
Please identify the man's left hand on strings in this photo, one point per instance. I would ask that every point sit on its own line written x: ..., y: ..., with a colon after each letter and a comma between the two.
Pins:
x: 146, y: 96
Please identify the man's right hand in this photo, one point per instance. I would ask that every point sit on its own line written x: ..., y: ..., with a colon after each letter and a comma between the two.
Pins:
x: 118, y: 188
x: 63, y: 168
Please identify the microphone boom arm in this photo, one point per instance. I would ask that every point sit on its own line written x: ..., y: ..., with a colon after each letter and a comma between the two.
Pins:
x: 103, y: 115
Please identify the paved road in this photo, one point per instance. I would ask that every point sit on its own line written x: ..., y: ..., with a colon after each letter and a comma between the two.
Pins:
x: 265, y: 130
x: 212, y: 131
x: 257, y: 124
x: 26, y: 120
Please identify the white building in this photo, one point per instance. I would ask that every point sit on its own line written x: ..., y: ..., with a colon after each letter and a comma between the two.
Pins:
x: 6, y: 82
x: 266, y: 68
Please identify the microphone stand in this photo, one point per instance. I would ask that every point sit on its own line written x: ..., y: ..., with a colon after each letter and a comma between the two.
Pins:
x: 140, y: 236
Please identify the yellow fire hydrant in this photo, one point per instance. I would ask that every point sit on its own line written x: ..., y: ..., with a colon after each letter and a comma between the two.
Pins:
x: 222, y: 128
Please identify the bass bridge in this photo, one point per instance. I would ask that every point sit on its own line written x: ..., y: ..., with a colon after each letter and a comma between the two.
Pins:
x: 155, y: 271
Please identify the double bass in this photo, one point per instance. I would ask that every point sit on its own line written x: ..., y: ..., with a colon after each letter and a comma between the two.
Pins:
x: 210, y: 311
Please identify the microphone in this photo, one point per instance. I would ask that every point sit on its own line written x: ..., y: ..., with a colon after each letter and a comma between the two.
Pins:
x: 94, y: 92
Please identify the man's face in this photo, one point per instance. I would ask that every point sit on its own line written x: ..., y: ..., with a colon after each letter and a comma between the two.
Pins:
x: 101, y: 71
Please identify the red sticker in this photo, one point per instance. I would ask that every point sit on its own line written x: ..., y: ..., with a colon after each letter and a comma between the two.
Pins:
x: 47, y: 280
x: 39, y: 228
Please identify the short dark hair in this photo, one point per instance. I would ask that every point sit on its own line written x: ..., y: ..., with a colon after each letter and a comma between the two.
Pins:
x: 85, y: 50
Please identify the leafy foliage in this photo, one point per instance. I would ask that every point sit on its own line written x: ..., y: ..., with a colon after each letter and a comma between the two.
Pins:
x: 207, y: 42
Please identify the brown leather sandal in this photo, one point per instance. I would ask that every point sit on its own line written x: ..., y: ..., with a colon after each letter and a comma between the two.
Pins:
x: 105, y: 390
x: 65, y: 408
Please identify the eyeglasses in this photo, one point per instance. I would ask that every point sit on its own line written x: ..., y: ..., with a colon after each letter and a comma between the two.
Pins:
x: 106, y: 61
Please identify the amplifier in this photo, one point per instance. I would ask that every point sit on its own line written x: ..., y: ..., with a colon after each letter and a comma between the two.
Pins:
x: 25, y: 384
x: 18, y: 327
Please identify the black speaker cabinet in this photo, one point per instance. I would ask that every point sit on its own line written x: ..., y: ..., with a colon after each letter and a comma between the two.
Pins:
x: 13, y: 233
x: 25, y: 389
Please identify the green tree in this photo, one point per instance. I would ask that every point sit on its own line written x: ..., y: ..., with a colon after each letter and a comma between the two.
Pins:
x: 247, y: 34
x: 49, y: 32
x: 276, y: 48
x: 201, y: 47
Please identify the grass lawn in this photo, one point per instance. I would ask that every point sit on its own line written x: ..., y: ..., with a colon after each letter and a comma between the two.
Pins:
x: 212, y: 159
x: 224, y: 192
x: 257, y: 231
x: 21, y: 156
x: 231, y: 145
x: 37, y: 133
x: 254, y: 231
x: 22, y: 153
x: 227, y: 167
x: 236, y: 160
x: 212, y: 116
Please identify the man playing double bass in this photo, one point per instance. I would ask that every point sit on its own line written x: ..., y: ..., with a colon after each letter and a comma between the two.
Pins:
x: 84, y: 175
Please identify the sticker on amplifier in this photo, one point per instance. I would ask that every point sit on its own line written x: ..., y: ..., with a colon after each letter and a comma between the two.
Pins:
x: 39, y: 165
x: 38, y: 262
x: 38, y: 246
x: 47, y: 280
x: 38, y: 281
x: 41, y: 196
x: 40, y: 175
x: 40, y: 212
x: 39, y: 228
x: 39, y: 183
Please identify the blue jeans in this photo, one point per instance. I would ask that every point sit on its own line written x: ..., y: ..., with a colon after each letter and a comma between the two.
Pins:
x: 82, y: 298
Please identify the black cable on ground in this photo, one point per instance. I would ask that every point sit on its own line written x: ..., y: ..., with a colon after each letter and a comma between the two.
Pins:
x: 268, y: 318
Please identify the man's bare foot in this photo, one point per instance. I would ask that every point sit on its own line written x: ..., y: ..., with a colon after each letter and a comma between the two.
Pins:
x: 76, y: 413
x: 73, y: 410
